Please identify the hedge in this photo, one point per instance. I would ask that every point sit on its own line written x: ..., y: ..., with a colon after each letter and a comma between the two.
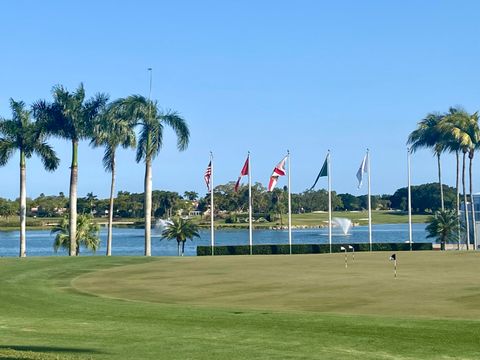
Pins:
x: 306, y: 248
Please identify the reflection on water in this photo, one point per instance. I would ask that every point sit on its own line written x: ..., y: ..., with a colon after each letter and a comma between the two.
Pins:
x: 131, y: 241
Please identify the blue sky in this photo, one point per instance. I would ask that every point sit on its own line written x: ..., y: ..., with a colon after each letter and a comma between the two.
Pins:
x: 264, y: 76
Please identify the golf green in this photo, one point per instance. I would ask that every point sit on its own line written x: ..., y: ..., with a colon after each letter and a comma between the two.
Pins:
x: 241, y: 307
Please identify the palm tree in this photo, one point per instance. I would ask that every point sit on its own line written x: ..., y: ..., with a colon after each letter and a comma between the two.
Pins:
x: 112, y: 130
x: 21, y: 134
x: 152, y: 121
x: 70, y: 117
x: 429, y: 135
x: 180, y: 230
x: 464, y: 128
x: 191, y: 195
x: 453, y: 146
x: 86, y: 234
x: 443, y: 226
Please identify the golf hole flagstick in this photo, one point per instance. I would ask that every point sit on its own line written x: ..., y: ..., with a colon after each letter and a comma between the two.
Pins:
x: 394, y: 259
x: 346, y: 260
x: 350, y: 247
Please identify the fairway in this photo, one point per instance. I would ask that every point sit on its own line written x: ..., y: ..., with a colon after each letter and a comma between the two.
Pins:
x: 241, y: 307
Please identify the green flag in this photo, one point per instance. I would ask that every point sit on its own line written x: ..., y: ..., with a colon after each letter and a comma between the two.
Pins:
x: 323, y: 172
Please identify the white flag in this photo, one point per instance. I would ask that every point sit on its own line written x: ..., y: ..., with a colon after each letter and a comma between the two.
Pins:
x: 362, y: 170
x: 342, y: 248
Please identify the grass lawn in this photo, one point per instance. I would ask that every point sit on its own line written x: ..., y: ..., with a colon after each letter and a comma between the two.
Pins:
x: 241, y: 307
x: 361, y: 217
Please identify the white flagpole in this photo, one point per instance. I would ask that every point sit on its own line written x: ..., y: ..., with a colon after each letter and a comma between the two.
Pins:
x: 212, y: 229
x: 410, y: 237
x: 250, y: 205
x: 289, y: 205
x: 369, y: 203
x: 329, y: 202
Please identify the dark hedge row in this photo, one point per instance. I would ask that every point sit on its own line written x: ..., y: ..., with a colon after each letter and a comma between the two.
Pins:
x: 306, y: 248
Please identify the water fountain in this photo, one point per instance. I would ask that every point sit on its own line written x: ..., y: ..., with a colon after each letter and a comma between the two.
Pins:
x: 343, y: 223
x: 161, y: 224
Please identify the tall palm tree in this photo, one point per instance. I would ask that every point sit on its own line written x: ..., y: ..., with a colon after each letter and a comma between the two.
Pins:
x: 21, y: 134
x: 70, y: 117
x: 453, y: 146
x: 112, y: 130
x: 429, y: 135
x: 152, y: 121
x: 464, y: 128
x: 443, y: 226
x: 180, y: 230
x: 86, y: 234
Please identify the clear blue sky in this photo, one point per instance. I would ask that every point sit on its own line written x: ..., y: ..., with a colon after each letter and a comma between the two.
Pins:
x: 264, y: 76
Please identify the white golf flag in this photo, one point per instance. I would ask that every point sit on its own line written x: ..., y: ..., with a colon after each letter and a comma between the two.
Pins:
x: 350, y: 247
x: 362, y: 170
x: 342, y: 248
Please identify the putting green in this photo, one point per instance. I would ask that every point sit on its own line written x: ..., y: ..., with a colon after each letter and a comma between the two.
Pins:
x: 429, y: 284
x: 240, y: 308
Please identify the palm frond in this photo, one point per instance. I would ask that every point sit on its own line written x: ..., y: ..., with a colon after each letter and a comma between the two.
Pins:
x: 47, y: 155
x: 179, y: 125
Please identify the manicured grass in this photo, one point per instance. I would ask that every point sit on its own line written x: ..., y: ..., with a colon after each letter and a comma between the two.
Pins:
x: 320, y: 219
x: 243, y: 307
x: 360, y: 217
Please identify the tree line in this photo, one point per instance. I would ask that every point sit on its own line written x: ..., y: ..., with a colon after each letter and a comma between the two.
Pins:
x: 169, y: 203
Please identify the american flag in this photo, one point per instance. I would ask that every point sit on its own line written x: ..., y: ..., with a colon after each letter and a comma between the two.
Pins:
x: 208, y: 174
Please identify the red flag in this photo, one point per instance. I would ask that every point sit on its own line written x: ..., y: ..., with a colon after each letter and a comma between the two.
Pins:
x: 208, y: 174
x: 278, y: 171
x: 244, y: 172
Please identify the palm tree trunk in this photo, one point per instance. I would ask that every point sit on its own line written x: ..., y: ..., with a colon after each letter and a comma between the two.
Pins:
x: 73, y: 199
x: 457, y: 153
x: 467, y: 225
x: 23, y: 205
x: 178, y: 248
x: 471, y: 154
x: 183, y: 247
x: 440, y: 181
x: 110, y: 210
x: 148, y: 206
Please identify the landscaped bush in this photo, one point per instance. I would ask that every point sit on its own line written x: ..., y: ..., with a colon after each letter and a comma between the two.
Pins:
x: 306, y: 248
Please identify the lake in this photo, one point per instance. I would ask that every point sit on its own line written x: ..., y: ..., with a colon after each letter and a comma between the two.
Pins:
x: 129, y: 241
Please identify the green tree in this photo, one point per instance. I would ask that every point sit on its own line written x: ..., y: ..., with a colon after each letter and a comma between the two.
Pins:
x: 113, y: 129
x: 443, y: 226
x: 21, y: 134
x: 86, y: 234
x: 7, y: 208
x: 350, y: 202
x: 464, y: 128
x: 425, y: 198
x: 152, y: 121
x: 70, y: 117
x: 180, y: 230
x: 190, y: 195
x: 430, y: 135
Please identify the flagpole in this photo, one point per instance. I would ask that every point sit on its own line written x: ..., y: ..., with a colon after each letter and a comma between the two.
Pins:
x: 410, y: 237
x: 369, y: 202
x: 212, y: 229
x: 329, y: 202
x: 289, y: 205
x: 250, y: 205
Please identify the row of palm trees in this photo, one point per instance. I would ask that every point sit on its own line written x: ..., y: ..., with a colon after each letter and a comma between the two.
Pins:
x: 455, y: 131
x: 72, y: 117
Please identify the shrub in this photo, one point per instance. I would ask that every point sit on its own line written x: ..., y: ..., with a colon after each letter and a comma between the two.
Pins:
x: 306, y: 248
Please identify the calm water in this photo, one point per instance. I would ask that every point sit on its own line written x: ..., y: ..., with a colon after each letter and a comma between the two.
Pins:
x: 131, y: 241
